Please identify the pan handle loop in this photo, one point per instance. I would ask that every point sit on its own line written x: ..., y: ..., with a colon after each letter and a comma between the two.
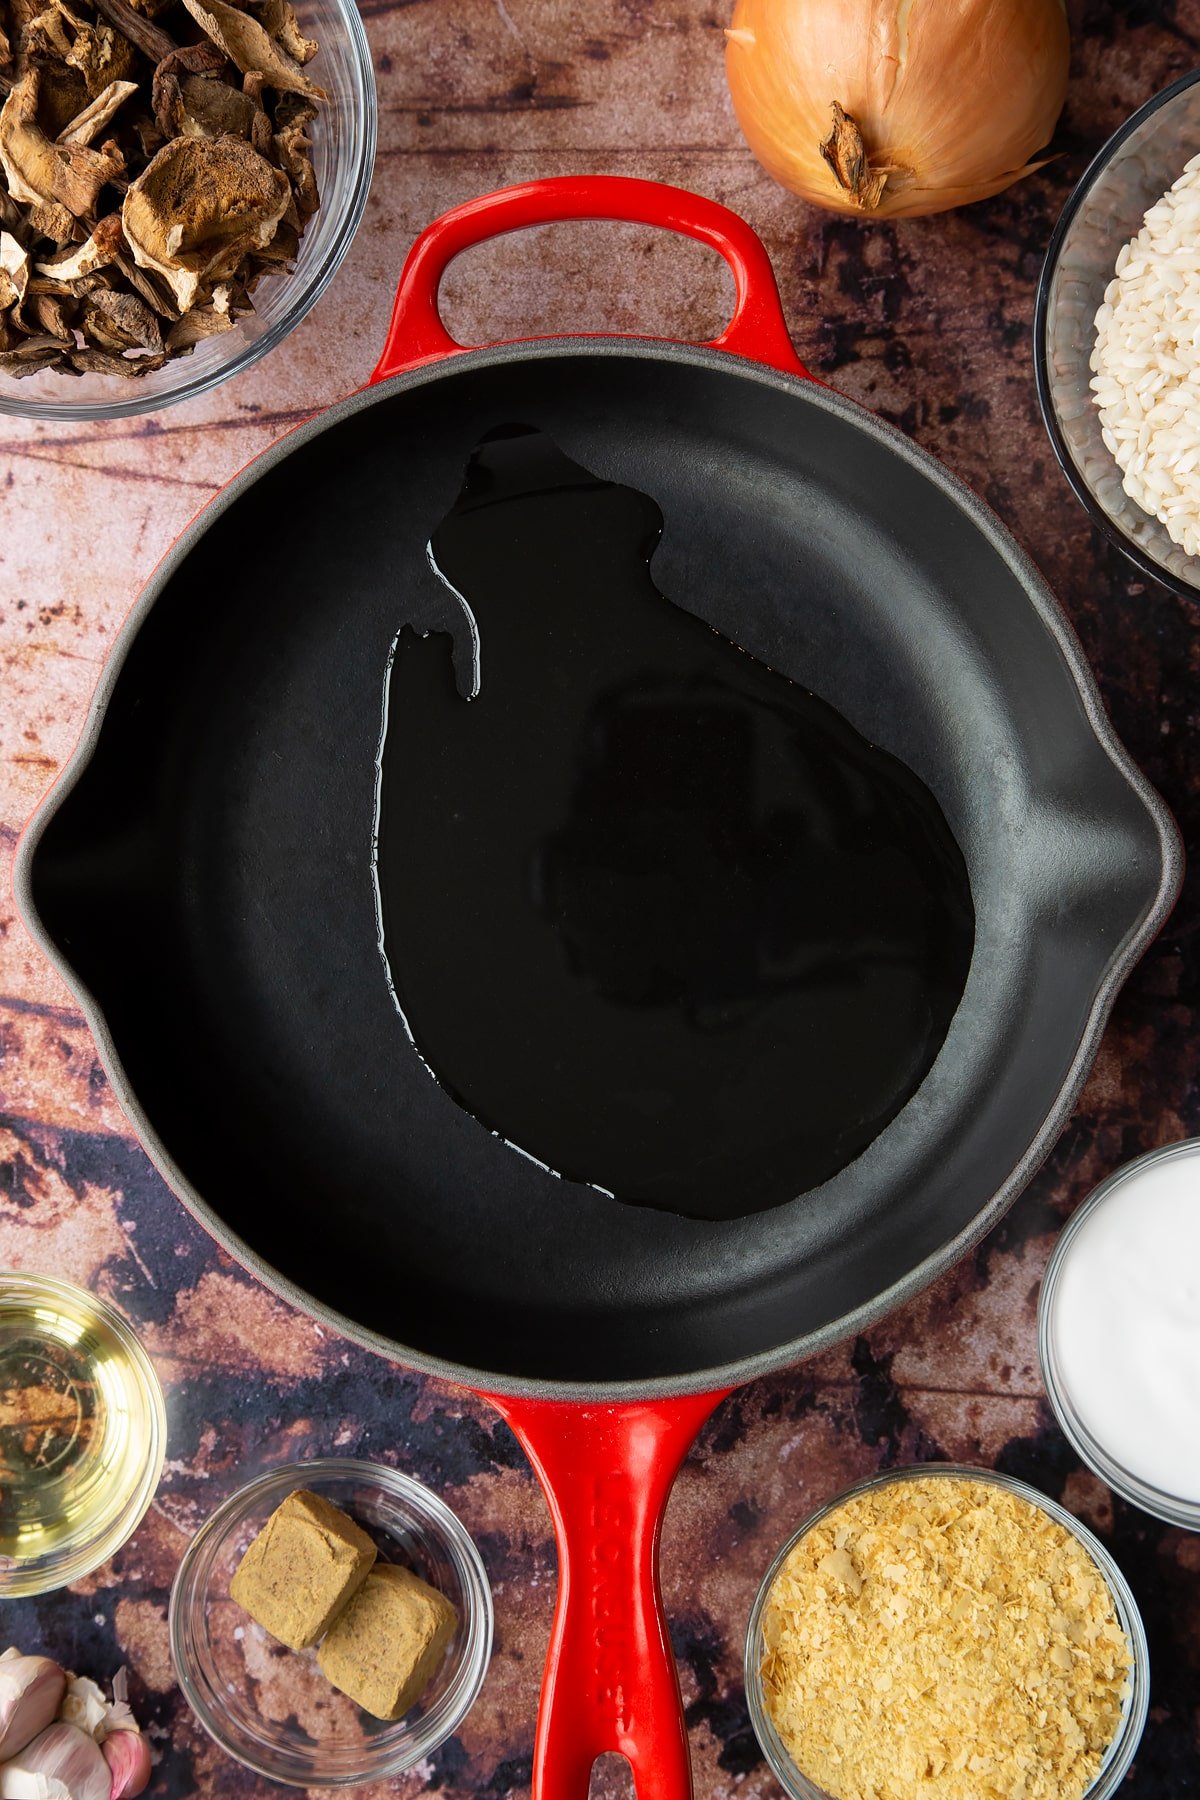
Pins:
x: 757, y: 329
x: 610, y: 1682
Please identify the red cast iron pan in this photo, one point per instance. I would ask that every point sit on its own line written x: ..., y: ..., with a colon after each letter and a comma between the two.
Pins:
x: 202, y: 876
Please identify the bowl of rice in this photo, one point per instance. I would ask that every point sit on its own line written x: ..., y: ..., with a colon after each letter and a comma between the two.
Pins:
x: 1117, y: 337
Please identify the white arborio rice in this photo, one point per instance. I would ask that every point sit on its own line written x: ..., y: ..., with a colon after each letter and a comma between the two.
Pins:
x: 1146, y: 362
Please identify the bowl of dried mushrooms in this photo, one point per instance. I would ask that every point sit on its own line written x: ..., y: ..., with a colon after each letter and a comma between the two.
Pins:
x: 179, y: 181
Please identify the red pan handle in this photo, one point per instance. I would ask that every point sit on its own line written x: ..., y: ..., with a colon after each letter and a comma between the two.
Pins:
x: 607, y: 1470
x: 757, y: 329
x: 610, y: 1679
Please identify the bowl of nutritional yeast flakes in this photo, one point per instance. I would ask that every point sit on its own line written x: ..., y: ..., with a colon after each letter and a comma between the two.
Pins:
x: 946, y: 1629
x: 1117, y: 337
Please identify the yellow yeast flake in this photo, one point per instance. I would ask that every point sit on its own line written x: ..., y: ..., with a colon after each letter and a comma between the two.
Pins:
x: 943, y: 1639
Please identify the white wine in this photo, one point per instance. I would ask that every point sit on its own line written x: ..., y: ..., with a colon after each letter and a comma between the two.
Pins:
x: 81, y: 1433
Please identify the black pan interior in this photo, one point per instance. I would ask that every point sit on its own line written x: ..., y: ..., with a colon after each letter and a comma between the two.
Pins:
x: 208, y: 878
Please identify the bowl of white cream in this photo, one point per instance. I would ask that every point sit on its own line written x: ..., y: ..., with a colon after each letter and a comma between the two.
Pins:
x: 1119, y: 1332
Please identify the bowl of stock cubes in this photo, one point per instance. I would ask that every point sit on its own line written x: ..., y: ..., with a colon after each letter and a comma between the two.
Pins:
x: 331, y: 1623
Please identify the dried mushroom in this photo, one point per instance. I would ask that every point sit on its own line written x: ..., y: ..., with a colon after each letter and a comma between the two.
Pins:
x: 155, y: 165
x: 29, y: 356
x: 106, y: 362
x: 293, y: 147
x: 97, y: 114
x: 96, y: 252
x: 14, y: 271
x: 42, y: 172
x: 18, y: 15
x: 50, y: 220
x: 202, y: 322
x: 279, y: 19
x: 62, y: 96
x: 80, y: 56
x: 251, y: 47
x: 212, y: 109
x: 49, y: 311
x: 120, y: 322
x: 140, y: 31
x: 200, y: 208
x: 170, y: 76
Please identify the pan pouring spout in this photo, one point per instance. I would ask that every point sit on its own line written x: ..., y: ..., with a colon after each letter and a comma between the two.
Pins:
x: 637, y: 890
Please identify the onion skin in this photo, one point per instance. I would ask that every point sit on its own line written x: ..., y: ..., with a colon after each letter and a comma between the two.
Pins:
x: 949, y: 101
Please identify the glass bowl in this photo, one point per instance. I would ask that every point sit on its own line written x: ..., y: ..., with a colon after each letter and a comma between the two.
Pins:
x: 1123, y: 1748
x: 1175, y: 1509
x: 271, y: 1708
x: 1137, y: 165
x: 82, y: 1433
x: 343, y: 138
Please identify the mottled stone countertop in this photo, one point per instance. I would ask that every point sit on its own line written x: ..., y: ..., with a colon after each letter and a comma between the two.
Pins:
x: 927, y: 321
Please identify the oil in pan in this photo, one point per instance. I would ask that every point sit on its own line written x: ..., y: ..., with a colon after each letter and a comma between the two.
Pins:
x: 652, y: 912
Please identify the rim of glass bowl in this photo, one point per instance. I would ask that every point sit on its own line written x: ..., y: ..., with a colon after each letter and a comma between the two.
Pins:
x: 1123, y: 1748
x: 1041, y: 310
x: 362, y: 107
x: 1162, y: 1505
x: 190, y: 1586
x: 72, y: 1561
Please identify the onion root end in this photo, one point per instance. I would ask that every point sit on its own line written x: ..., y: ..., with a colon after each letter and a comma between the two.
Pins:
x: 845, y: 151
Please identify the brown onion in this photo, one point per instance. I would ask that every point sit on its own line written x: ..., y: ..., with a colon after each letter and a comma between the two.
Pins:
x: 894, y: 107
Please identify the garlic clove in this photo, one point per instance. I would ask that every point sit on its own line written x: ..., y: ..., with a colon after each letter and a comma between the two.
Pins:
x: 84, y: 1705
x: 62, y: 1763
x: 128, y: 1756
x: 31, y: 1691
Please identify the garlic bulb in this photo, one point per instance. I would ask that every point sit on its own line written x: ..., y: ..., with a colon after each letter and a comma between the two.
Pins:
x: 31, y: 1691
x: 888, y: 108
x: 62, y: 1763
